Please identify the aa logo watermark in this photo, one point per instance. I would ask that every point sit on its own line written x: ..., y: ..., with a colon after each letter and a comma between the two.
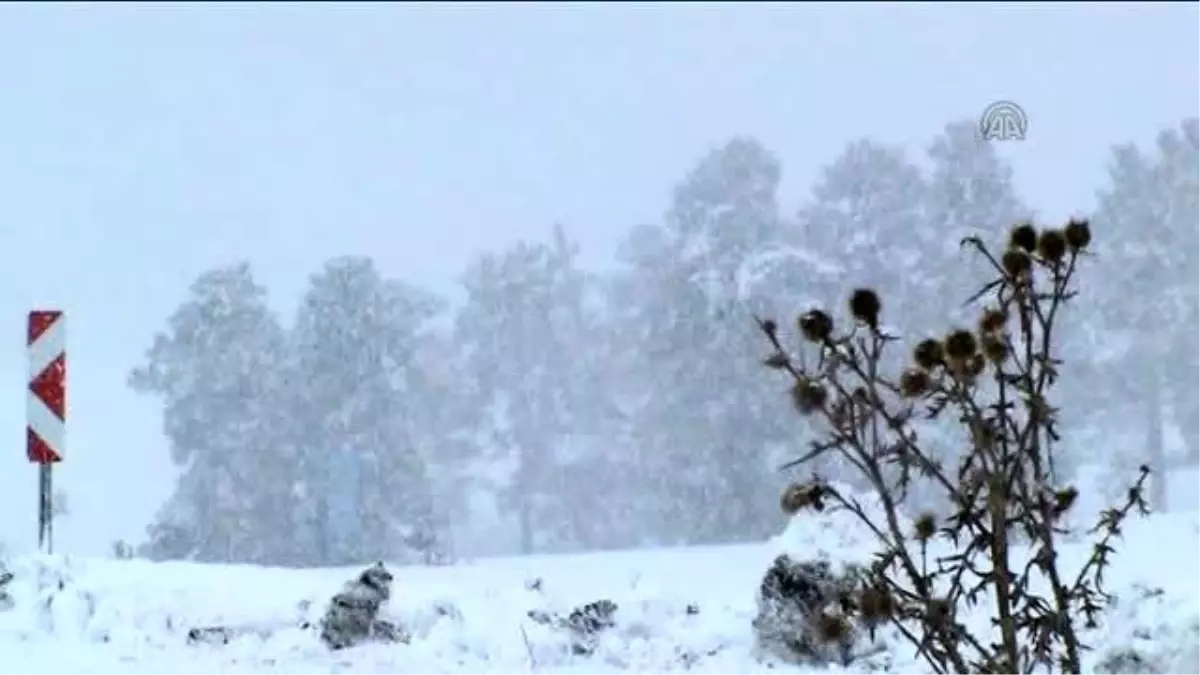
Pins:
x: 1003, y: 121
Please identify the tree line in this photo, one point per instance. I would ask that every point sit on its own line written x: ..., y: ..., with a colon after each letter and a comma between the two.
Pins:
x: 627, y: 407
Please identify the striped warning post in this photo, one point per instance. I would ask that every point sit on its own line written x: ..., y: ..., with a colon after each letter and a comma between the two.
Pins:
x: 46, y: 401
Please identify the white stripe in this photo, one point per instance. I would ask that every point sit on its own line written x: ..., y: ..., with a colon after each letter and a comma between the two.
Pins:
x: 45, y: 423
x: 48, y: 346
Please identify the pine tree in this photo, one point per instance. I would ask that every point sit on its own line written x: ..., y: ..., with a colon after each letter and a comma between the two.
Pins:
x: 360, y: 401
x: 969, y: 191
x: 524, y: 332
x: 866, y: 216
x: 216, y: 370
x: 1179, y: 175
x: 1148, y: 300
x: 684, y: 306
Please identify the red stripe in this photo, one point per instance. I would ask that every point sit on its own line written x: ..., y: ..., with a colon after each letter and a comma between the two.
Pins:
x: 51, y: 386
x: 38, y: 450
x: 40, y: 321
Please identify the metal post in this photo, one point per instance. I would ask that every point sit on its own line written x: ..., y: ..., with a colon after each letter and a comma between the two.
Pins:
x: 45, y: 509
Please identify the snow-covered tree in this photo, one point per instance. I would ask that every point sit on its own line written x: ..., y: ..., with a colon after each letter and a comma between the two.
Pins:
x: 702, y: 424
x: 1148, y: 237
x: 865, y: 218
x: 361, y: 411
x: 866, y: 215
x: 216, y: 371
x: 969, y: 191
x: 1179, y: 175
x: 451, y: 445
x: 525, y: 332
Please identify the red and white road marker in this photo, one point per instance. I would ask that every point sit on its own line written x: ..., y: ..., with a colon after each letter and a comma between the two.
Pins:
x: 46, y: 407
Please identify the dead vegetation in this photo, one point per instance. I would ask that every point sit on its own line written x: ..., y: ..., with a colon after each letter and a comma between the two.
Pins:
x: 993, y: 381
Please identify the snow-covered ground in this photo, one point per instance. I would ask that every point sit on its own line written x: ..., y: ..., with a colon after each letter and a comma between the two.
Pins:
x: 133, y: 616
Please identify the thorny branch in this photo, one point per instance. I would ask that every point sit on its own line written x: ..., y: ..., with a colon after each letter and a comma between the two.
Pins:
x: 997, y: 379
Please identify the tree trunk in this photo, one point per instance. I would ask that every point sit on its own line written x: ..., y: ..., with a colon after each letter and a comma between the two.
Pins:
x: 321, y: 528
x: 525, y: 522
x: 206, y: 515
x: 1155, y: 452
x: 525, y: 490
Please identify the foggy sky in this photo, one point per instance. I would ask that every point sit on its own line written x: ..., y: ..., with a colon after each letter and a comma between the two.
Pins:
x: 144, y: 144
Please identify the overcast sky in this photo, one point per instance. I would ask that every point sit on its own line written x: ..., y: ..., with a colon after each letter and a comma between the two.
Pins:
x: 140, y: 145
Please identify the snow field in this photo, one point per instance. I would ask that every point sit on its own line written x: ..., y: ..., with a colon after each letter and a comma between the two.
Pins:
x: 132, y: 616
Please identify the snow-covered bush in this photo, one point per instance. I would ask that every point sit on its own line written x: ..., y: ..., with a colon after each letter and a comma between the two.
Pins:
x: 803, y: 611
x: 6, y: 601
x: 352, y: 617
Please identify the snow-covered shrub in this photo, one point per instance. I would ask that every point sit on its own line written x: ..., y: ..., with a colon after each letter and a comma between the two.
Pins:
x: 583, y: 625
x: 822, y: 559
x: 6, y: 601
x: 352, y: 616
x: 803, y: 611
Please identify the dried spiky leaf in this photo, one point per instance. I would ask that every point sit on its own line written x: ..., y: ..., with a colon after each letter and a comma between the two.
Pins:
x: 777, y: 361
x: 1064, y: 499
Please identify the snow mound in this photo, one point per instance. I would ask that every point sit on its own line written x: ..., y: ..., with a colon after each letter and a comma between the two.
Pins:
x: 834, y: 534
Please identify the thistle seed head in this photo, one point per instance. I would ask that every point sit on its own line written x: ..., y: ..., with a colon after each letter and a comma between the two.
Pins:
x: 815, y: 325
x: 914, y: 383
x: 1078, y: 233
x: 960, y: 345
x: 1023, y: 236
x: 831, y: 628
x: 929, y: 354
x: 808, y: 396
x: 796, y: 498
x: 1016, y: 262
x: 925, y: 526
x: 876, y: 605
x: 995, y: 349
x: 865, y: 306
x: 992, y: 320
x: 1052, y: 246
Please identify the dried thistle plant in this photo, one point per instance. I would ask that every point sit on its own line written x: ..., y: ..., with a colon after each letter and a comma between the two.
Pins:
x: 1004, y: 488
